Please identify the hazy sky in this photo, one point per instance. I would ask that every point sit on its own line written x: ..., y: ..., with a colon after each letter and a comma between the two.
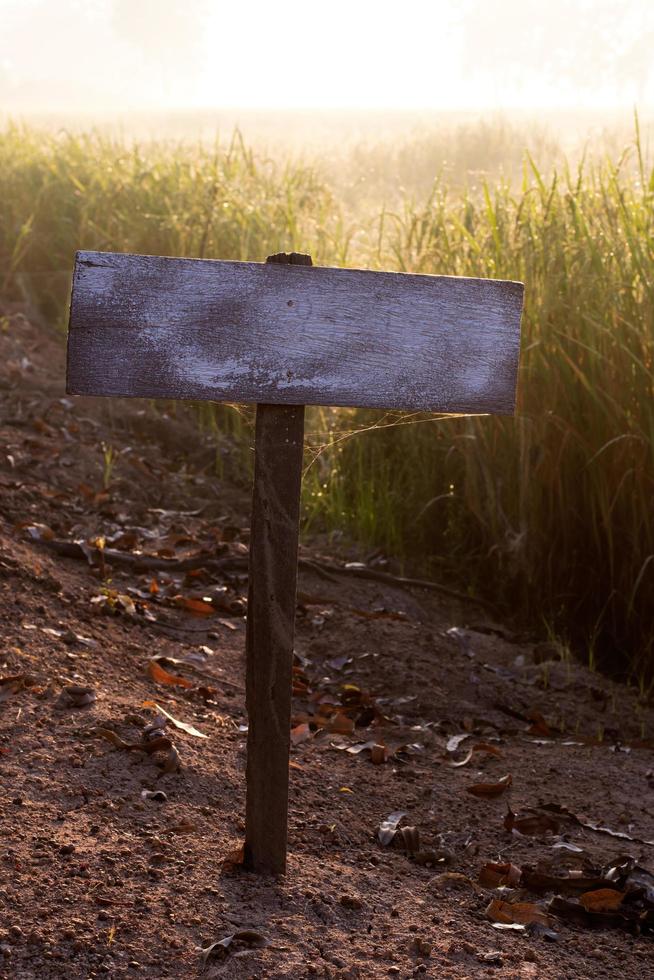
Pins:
x: 127, y: 54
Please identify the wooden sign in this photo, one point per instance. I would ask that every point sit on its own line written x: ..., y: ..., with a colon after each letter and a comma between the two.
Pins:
x: 283, y: 335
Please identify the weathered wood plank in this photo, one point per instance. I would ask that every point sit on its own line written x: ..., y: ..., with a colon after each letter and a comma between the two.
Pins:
x: 270, y: 629
x: 282, y: 334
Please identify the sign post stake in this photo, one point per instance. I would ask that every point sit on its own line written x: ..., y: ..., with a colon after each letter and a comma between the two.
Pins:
x: 274, y: 531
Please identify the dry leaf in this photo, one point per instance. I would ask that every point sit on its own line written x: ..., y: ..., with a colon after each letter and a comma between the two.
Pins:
x: 300, y: 733
x: 623, y: 917
x: 479, y: 747
x: 161, y: 676
x: 602, y: 900
x: 355, y: 749
x: 531, y: 823
x: 378, y: 751
x: 181, y: 725
x: 408, y: 838
x: 573, y: 883
x: 157, y: 795
x: 243, y: 939
x: 454, y: 741
x: 491, y: 789
x: 172, y: 761
x: 340, y: 724
x: 564, y: 812
x: 110, y: 736
x: 159, y: 744
x: 378, y: 754
x: 388, y: 827
x: 499, y: 875
x: 523, y: 913
x: 197, y: 606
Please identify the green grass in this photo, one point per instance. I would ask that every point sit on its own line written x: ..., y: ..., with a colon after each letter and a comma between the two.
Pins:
x: 550, y: 513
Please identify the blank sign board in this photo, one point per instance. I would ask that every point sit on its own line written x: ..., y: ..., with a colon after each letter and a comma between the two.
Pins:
x: 156, y: 327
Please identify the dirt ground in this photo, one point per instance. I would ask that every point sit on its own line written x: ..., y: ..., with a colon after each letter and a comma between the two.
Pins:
x: 99, y: 877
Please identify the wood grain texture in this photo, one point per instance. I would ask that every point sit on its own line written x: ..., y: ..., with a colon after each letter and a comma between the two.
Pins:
x: 285, y: 334
x: 270, y: 630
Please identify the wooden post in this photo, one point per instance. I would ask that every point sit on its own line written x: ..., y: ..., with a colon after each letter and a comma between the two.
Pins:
x: 274, y: 530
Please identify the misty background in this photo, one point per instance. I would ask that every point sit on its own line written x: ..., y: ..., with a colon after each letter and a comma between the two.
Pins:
x: 164, y: 67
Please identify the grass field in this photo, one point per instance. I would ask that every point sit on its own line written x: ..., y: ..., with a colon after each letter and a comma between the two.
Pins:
x: 551, y: 513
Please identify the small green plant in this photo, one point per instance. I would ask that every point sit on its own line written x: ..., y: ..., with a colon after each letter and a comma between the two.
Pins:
x: 109, y: 459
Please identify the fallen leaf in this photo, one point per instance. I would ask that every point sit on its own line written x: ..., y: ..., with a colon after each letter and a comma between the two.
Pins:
x: 161, y: 744
x: 300, y: 733
x: 408, y: 838
x: 602, y: 900
x: 38, y: 532
x: 378, y: 751
x: 479, y: 747
x: 573, y: 883
x: 157, y: 795
x: 523, y: 913
x: 110, y: 736
x: 388, y: 827
x: 454, y: 741
x: 625, y: 917
x: 354, y: 749
x: 531, y: 823
x: 244, y: 938
x: 564, y: 845
x: 70, y: 637
x: 340, y: 724
x: 162, y: 676
x: 491, y: 789
x: 196, y: 606
x: 153, y: 741
x: 172, y: 761
x: 500, y: 875
x: 589, y: 825
x: 181, y: 725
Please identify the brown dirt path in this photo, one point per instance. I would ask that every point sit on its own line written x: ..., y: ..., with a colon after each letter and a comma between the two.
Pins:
x: 98, y: 880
